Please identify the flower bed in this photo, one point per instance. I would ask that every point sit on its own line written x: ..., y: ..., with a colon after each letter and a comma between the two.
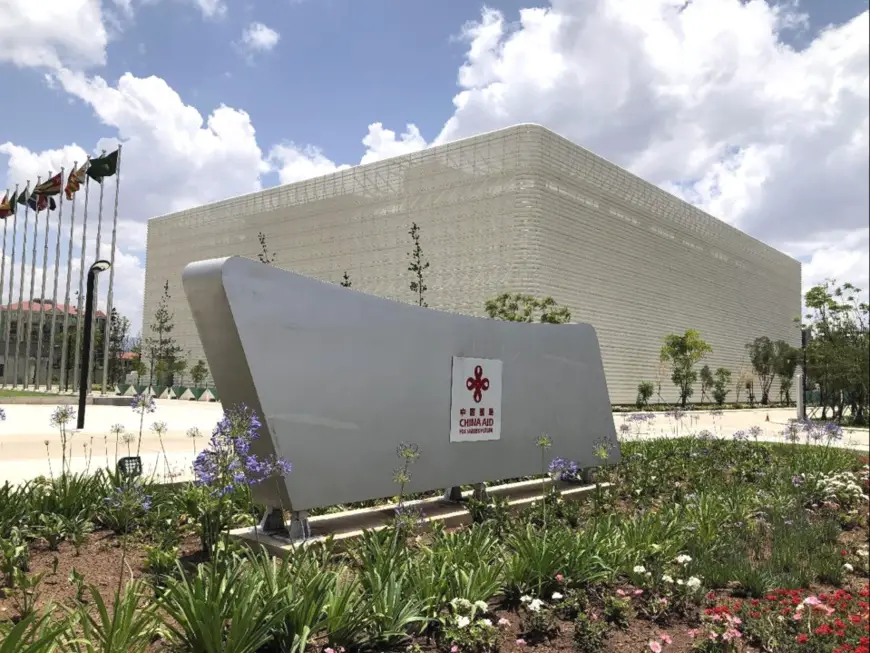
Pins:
x: 698, y: 543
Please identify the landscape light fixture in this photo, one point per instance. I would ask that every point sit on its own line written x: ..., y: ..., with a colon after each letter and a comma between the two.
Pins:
x: 84, y: 380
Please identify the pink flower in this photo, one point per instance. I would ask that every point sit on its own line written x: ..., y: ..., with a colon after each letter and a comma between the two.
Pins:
x: 560, y: 577
x: 329, y: 649
x: 693, y: 633
x: 655, y: 647
x: 504, y: 622
x: 812, y: 600
x: 730, y: 634
x: 620, y: 593
x: 637, y: 592
x: 454, y: 649
x: 665, y: 639
x: 521, y: 642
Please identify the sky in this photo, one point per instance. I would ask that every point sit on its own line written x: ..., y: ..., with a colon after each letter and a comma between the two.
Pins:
x: 756, y: 112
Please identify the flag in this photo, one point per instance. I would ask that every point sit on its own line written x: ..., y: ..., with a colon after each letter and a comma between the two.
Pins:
x: 49, y: 186
x: 24, y: 196
x: 104, y: 166
x: 76, y: 179
x: 6, y: 206
x: 41, y: 202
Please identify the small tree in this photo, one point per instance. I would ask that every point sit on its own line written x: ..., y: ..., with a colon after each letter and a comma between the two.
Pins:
x: 417, y: 266
x: 265, y: 256
x: 721, y: 381
x: 162, y: 348
x: 645, y: 390
x: 683, y: 352
x: 516, y: 307
x: 762, y: 356
x: 118, y: 336
x: 198, y: 373
x: 785, y: 366
x: 345, y: 280
x: 706, y: 382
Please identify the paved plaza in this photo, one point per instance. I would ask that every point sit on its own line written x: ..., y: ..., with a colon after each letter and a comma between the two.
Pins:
x: 24, y: 453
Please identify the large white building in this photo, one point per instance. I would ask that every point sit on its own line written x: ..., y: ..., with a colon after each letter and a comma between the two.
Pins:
x: 521, y: 210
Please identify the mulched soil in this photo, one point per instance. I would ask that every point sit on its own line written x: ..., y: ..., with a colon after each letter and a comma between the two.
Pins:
x: 100, y: 562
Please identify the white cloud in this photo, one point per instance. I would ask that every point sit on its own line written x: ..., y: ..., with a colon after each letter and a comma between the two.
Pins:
x: 703, y: 98
x: 57, y: 32
x: 258, y: 37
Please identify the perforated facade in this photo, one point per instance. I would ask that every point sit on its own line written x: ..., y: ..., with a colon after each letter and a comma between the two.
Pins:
x: 520, y: 210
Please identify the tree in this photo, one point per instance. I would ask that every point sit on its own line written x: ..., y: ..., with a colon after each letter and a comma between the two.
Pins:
x: 345, y: 280
x: 138, y: 365
x: 178, y: 369
x: 784, y: 366
x: 645, y: 390
x: 162, y: 348
x: 119, y: 326
x: 516, y: 307
x: 683, y: 352
x: 721, y: 381
x: 417, y: 266
x: 762, y: 356
x: 264, y: 256
x: 838, y: 350
x: 198, y: 373
x: 706, y: 382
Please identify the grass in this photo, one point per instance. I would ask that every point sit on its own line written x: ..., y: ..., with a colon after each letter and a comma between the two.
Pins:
x: 6, y: 392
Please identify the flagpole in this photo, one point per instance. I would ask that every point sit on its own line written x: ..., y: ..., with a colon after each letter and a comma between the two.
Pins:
x: 51, y: 347
x: 32, y: 288
x: 11, y: 289
x: 82, y: 266
x: 3, y: 274
x: 41, y: 329
x: 64, y: 350
x: 107, y: 331
x: 21, y: 291
x: 91, y: 358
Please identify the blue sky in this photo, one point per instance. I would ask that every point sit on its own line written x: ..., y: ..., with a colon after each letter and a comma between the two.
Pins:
x: 721, y: 114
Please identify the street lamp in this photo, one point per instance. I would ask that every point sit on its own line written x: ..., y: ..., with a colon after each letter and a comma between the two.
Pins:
x: 96, y: 268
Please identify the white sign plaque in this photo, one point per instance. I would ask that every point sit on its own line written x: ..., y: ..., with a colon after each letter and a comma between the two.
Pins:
x: 475, y: 403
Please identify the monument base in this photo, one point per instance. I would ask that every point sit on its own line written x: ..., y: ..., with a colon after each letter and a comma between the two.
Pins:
x: 347, y: 525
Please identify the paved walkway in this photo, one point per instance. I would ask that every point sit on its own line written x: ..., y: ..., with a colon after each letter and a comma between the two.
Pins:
x: 24, y: 453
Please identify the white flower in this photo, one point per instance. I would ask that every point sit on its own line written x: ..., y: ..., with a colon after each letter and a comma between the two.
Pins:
x: 848, y: 567
x: 667, y: 579
x: 694, y: 582
x: 680, y: 581
x: 485, y: 622
x: 462, y: 621
x: 557, y: 596
x: 536, y: 605
x: 864, y: 552
x: 683, y: 559
x: 525, y: 599
x: 639, y: 569
x: 481, y: 605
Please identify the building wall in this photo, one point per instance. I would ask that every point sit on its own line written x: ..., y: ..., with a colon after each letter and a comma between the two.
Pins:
x: 519, y: 209
x: 638, y: 263
x: 464, y: 196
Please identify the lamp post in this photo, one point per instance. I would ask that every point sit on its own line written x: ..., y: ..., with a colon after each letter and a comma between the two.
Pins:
x: 96, y: 268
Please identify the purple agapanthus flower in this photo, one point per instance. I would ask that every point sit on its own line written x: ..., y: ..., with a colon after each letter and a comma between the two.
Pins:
x: 143, y: 403
x: 567, y: 470
x: 227, y: 462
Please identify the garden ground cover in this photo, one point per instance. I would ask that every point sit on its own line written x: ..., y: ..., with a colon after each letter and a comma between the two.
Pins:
x: 708, y: 542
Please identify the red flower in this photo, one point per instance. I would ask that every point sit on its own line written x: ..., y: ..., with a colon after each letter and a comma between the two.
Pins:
x: 824, y: 629
x: 802, y: 638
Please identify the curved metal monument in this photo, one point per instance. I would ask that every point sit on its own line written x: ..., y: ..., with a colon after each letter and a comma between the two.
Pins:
x: 341, y: 378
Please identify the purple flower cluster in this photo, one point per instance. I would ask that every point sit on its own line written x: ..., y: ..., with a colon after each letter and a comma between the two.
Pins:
x: 130, y: 497
x: 143, y: 403
x: 740, y: 436
x: 567, y: 470
x: 227, y: 462
x: 817, y: 431
x: 641, y: 417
